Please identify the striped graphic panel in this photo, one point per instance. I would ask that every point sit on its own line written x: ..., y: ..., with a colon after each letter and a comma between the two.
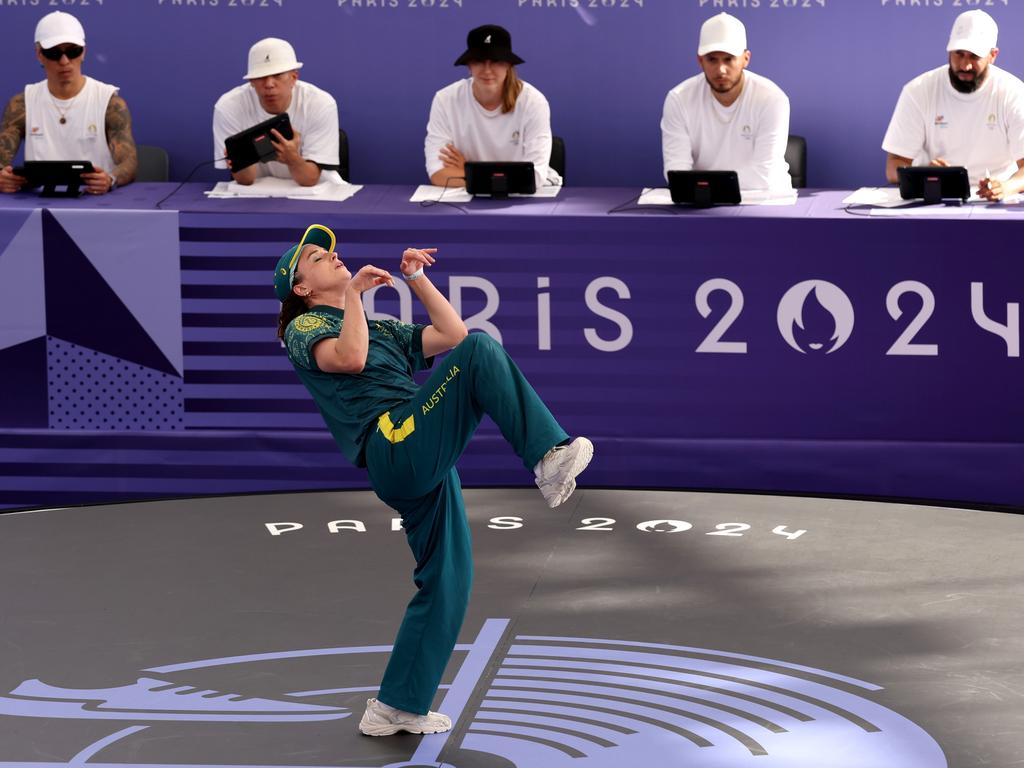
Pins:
x: 584, y: 701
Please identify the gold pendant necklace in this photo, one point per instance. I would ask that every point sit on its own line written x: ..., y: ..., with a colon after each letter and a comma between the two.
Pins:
x: 63, y: 112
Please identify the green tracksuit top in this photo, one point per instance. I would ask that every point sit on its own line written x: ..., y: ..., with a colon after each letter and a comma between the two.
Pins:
x: 352, y: 403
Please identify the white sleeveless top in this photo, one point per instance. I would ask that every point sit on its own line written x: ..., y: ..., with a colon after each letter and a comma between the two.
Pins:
x: 82, y: 137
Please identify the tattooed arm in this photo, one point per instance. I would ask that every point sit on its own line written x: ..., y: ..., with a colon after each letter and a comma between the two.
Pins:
x: 122, y: 145
x: 12, y: 132
x: 122, y: 150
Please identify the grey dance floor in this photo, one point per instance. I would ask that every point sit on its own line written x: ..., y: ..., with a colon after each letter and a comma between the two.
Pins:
x: 628, y: 628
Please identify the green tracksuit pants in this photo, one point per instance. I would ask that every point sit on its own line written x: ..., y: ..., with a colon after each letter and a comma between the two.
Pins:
x: 411, y: 459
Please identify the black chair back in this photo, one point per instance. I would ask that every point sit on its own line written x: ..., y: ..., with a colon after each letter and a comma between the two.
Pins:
x: 796, y: 156
x: 154, y: 165
x: 343, y: 166
x: 557, y: 161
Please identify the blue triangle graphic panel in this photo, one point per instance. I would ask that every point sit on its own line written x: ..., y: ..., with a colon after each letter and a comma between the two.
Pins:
x: 90, y: 390
x: 83, y: 309
x: 11, y: 223
x: 22, y: 293
x: 24, y: 401
x: 139, y: 256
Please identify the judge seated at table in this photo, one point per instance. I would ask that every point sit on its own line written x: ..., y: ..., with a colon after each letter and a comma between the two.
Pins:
x: 968, y: 113
x: 274, y: 88
x: 68, y: 116
x: 491, y: 115
x: 727, y: 118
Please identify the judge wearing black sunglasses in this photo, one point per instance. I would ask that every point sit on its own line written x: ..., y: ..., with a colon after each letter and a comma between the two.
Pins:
x: 68, y: 116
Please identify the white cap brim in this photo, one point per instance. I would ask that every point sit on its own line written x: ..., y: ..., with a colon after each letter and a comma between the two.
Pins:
x: 68, y: 39
x: 978, y: 48
x: 258, y: 72
x: 725, y: 46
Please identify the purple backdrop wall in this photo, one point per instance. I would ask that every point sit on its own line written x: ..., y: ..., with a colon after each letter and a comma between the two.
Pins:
x: 605, y: 66
x: 841, y: 355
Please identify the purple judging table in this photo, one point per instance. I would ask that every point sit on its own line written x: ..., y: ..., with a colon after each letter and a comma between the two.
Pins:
x: 796, y: 348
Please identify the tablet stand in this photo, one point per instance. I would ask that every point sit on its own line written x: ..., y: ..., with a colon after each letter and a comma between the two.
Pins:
x: 933, y: 190
x: 499, y: 186
x: 702, y: 194
x: 71, y: 189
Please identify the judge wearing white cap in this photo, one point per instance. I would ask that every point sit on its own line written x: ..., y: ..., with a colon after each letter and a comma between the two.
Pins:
x: 967, y: 113
x: 274, y: 88
x: 68, y: 116
x: 727, y: 118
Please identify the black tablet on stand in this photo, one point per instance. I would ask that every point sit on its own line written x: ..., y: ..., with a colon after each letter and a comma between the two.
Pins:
x: 253, y: 145
x: 704, y: 188
x: 934, y: 184
x: 500, y: 179
x: 58, y: 178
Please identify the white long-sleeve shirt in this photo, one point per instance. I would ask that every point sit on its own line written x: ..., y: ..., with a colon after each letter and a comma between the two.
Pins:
x: 488, y: 135
x: 749, y: 137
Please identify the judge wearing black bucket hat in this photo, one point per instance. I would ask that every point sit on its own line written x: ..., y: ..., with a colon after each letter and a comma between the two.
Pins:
x: 491, y: 115
x: 488, y: 42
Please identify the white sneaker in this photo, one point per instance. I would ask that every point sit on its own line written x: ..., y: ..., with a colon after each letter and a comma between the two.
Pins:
x: 556, y: 472
x: 383, y: 720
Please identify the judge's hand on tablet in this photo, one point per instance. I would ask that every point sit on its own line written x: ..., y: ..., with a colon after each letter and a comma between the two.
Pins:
x: 245, y: 177
x: 98, y: 182
x: 288, y: 150
x: 10, y: 181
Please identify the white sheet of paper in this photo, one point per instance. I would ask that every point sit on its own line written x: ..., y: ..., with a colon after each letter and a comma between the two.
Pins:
x: 947, y: 211
x: 924, y: 211
x: 335, y: 193
x: 331, y: 187
x: 881, y: 196
x: 547, y: 192
x: 662, y: 196
x: 227, y: 189
x: 431, y: 193
x: 655, y: 196
x: 766, y: 197
x: 888, y: 199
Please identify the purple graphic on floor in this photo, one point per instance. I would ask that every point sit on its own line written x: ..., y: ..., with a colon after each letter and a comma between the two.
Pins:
x: 553, y: 701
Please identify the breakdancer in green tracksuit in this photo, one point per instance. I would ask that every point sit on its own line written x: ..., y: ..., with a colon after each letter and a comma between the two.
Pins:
x: 409, y: 437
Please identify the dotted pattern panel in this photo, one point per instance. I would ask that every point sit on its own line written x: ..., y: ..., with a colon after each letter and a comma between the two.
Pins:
x: 93, y: 391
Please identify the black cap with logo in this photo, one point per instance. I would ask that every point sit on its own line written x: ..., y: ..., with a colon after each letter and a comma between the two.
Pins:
x: 488, y: 43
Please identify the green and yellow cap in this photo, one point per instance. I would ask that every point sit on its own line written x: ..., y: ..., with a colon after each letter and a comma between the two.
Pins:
x: 284, y: 274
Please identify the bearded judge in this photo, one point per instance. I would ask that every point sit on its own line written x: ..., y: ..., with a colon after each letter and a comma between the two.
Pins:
x: 968, y: 113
